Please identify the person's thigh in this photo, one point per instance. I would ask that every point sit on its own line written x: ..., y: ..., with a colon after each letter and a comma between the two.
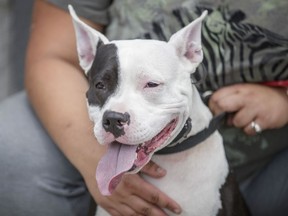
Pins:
x: 35, y: 177
x: 267, y: 193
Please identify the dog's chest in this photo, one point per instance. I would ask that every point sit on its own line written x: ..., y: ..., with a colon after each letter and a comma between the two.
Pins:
x: 195, y: 177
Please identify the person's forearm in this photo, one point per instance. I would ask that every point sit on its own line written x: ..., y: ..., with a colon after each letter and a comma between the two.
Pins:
x: 56, y: 88
x: 57, y: 94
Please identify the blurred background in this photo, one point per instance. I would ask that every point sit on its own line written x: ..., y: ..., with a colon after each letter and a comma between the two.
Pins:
x: 15, y: 17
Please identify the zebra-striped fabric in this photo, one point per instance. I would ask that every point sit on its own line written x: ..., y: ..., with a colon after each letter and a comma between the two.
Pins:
x: 241, y: 52
x: 234, y: 51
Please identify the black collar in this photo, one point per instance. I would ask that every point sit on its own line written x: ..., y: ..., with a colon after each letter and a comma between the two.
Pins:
x: 192, y: 140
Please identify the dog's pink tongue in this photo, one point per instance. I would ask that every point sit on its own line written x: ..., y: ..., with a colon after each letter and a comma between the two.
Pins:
x: 118, y: 159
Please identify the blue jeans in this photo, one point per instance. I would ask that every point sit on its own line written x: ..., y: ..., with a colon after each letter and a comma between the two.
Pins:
x: 36, y: 178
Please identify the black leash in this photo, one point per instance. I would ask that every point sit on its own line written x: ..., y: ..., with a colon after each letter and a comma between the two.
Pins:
x: 195, y: 139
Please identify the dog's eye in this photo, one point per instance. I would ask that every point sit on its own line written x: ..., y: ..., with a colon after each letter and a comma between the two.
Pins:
x: 100, y: 85
x: 151, y: 85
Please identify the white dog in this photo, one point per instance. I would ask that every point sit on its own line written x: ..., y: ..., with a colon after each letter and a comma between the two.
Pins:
x: 140, y: 98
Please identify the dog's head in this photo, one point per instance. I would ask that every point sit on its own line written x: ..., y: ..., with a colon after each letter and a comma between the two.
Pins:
x: 139, y: 92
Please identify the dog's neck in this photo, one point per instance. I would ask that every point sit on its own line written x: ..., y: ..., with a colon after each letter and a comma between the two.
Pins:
x: 200, y: 115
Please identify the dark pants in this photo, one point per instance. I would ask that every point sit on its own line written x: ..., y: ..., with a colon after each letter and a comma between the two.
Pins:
x: 266, y: 193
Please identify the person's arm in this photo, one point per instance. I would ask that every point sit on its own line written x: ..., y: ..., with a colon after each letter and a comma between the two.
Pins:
x: 56, y: 87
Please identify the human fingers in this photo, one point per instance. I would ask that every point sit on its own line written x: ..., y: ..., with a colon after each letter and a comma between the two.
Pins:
x: 242, y: 106
x: 226, y: 91
x: 122, y: 200
x: 254, y: 127
x: 247, y: 120
x: 229, y: 103
x: 148, y: 193
x: 243, y: 117
x: 217, y: 99
x: 115, y: 207
x: 125, y: 210
x: 267, y: 107
x: 113, y: 212
x: 154, y: 170
x: 142, y: 207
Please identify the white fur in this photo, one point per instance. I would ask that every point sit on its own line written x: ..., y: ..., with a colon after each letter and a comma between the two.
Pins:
x: 194, y: 177
x: 203, y: 171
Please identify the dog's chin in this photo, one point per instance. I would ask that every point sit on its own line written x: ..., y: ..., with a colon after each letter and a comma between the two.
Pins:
x: 123, y: 158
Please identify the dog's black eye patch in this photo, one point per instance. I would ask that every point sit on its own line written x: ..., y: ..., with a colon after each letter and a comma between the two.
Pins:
x: 103, y: 75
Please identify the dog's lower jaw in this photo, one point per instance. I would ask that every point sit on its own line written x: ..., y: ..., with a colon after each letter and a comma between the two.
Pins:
x: 198, y: 193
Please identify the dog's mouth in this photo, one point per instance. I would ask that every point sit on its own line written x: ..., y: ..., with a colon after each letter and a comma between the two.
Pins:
x: 122, y: 158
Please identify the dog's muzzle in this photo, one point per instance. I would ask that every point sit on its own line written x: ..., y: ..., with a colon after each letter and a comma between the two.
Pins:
x: 114, y: 122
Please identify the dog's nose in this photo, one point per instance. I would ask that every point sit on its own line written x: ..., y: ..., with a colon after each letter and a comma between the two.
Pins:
x: 114, y: 122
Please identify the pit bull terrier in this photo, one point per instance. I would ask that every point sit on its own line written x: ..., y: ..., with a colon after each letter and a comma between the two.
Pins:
x: 142, y: 102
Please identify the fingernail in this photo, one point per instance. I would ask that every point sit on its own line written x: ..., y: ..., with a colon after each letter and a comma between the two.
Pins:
x: 177, y: 211
x: 161, y: 170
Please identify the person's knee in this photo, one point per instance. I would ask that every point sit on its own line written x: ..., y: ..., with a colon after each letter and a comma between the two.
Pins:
x: 36, y: 177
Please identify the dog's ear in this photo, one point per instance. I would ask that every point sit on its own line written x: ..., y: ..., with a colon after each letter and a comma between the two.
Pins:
x: 87, y: 40
x: 187, y: 41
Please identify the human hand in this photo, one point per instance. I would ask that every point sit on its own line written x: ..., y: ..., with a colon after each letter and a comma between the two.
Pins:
x: 135, y: 196
x: 266, y: 106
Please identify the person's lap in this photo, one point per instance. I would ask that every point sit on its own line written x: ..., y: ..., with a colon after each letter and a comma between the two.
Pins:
x: 266, y: 193
x: 36, y: 178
